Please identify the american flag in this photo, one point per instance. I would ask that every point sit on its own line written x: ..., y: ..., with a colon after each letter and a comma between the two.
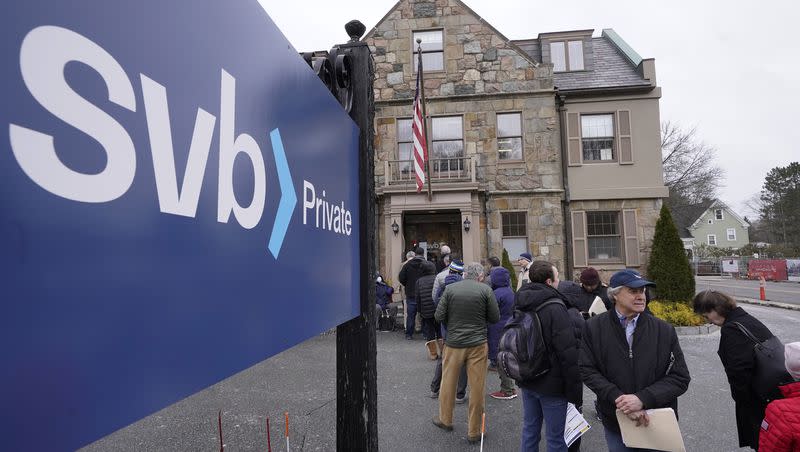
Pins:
x: 418, y: 129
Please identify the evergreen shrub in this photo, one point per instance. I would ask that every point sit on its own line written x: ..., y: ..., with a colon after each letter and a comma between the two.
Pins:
x: 510, y: 267
x: 669, y: 267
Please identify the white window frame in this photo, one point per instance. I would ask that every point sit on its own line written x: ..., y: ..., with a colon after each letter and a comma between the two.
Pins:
x: 566, y: 56
x: 614, y: 156
x: 439, y: 52
x: 408, y: 166
x: 718, y: 214
x: 711, y: 238
x: 514, y: 251
x: 500, y: 137
x: 731, y: 232
x: 619, y: 237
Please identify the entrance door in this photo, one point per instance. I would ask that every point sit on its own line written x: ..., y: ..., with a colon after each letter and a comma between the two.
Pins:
x: 433, y: 228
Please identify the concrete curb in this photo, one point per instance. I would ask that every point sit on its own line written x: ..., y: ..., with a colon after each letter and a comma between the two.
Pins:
x: 773, y: 304
x: 696, y: 330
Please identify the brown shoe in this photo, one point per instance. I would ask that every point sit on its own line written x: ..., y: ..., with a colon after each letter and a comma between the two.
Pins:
x: 433, y: 351
x: 437, y: 422
x: 475, y: 439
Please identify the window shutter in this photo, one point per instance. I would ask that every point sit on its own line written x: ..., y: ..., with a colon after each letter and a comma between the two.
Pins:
x: 631, y: 238
x: 574, y: 139
x: 624, y: 144
x: 579, y: 245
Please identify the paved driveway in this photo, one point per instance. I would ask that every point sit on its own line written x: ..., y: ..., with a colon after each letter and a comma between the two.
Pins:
x: 302, y: 381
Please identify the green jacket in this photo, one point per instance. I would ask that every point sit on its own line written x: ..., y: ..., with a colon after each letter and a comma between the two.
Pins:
x: 467, y: 308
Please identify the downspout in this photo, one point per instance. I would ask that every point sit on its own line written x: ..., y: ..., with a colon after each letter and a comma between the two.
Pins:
x: 562, y: 117
x: 486, y: 215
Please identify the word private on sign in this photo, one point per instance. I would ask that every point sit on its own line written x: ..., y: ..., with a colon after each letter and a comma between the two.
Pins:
x: 327, y: 216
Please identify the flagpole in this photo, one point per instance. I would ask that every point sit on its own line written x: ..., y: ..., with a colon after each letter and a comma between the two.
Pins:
x: 424, y: 119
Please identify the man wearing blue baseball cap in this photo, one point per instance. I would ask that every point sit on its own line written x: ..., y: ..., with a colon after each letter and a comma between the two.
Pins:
x: 630, y: 359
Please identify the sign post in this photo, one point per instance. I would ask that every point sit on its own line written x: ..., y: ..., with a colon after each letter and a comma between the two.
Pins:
x: 174, y: 183
x: 356, y: 354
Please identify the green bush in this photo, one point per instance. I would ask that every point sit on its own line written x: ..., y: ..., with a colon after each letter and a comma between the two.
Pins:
x: 676, y: 313
x: 668, y: 267
x: 508, y: 266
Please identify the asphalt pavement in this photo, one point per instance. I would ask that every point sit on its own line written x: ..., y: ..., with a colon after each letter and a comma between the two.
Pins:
x: 302, y: 379
x: 778, y: 291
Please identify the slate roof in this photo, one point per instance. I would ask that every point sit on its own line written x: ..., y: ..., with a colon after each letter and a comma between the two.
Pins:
x: 610, y: 68
x: 685, y: 216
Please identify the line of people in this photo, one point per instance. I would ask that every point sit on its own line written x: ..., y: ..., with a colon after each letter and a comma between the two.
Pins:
x: 630, y: 359
x: 600, y: 352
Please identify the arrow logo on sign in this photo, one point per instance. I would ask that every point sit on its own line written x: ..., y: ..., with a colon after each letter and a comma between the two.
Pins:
x: 288, y: 196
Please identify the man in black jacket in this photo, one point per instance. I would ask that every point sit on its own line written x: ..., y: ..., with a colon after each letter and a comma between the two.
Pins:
x: 411, y: 271
x: 426, y: 308
x: 630, y: 359
x: 545, y: 398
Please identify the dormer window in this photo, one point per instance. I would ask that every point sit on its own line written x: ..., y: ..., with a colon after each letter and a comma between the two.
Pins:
x: 718, y: 214
x: 566, y: 56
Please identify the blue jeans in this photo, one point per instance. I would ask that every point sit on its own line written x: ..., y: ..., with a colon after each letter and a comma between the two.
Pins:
x: 615, y: 444
x: 411, y: 316
x: 537, y: 408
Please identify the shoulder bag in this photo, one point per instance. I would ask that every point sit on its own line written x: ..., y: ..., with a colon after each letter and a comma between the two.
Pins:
x: 770, y: 370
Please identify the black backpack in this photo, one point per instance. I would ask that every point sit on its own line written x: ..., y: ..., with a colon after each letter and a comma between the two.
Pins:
x: 522, y: 350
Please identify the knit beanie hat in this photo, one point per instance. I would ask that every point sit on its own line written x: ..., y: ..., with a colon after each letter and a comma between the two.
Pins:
x: 792, y: 359
x: 590, y: 277
x: 457, y: 266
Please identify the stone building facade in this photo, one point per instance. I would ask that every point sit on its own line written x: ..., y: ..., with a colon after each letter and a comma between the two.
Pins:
x: 495, y: 127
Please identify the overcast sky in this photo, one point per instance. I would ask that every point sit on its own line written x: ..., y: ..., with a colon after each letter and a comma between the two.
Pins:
x: 731, y: 70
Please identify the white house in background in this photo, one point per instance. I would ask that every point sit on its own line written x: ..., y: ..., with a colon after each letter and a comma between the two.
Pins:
x: 711, y: 222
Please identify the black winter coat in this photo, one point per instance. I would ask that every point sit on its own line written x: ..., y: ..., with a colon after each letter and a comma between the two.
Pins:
x: 738, y: 359
x: 653, y: 368
x: 581, y: 299
x: 560, y: 335
x: 424, y: 295
x: 411, y: 272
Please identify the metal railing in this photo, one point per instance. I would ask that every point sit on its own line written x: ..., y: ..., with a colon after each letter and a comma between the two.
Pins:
x: 456, y: 169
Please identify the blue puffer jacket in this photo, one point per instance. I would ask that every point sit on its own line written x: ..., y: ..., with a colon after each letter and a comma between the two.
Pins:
x: 501, y: 284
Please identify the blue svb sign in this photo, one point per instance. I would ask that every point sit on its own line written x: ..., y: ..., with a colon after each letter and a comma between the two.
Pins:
x: 179, y: 202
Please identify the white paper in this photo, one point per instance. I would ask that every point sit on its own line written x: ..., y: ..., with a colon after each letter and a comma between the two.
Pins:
x: 663, y: 432
x: 598, y: 307
x: 575, y: 426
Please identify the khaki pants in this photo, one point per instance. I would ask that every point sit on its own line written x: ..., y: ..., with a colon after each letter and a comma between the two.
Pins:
x: 474, y: 358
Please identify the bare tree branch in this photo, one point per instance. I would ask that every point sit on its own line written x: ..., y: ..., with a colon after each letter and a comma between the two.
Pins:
x: 690, y: 170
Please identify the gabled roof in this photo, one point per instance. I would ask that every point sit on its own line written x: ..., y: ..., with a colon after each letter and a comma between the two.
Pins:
x: 721, y: 205
x: 614, y: 65
x: 522, y: 53
x: 687, y: 215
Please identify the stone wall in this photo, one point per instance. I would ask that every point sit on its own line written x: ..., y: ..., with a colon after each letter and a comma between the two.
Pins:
x: 541, y: 163
x: 545, y: 225
x: 477, y: 59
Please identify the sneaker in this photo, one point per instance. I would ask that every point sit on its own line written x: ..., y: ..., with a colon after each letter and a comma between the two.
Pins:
x: 434, y: 394
x: 461, y: 400
x: 437, y: 422
x: 500, y: 395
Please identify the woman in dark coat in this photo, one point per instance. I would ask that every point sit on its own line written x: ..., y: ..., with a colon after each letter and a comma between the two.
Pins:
x: 738, y: 358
